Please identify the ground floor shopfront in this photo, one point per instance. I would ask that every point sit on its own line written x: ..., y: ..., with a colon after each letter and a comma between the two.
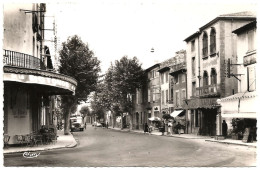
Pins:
x: 239, y: 112
x: 29, y: 100
x: 202, y: 116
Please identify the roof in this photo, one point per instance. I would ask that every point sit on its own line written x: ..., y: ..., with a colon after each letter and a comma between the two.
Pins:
x: 196, y: 34
x: 245, y: 27
x: 239, y: 15
x: 246, y: 15
x: 152, y: 67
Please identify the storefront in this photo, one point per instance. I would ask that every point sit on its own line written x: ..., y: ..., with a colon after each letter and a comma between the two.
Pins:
x: 201, y: 116
x: 239, y: 112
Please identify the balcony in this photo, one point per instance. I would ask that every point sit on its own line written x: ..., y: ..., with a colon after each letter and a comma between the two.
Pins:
x: 17, y: 59
x: 209, y: 90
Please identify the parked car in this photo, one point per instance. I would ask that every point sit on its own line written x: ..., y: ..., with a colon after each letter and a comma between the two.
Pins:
x: 97, y: 124
x: 77, y: 123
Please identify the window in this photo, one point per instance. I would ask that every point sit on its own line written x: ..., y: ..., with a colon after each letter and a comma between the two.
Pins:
x: 183, y: 94
x: 162, y: 97
x: 205, y: 78
x: 205, y: 45
x: 162, y: 78
x: 251, y: 40
x: 193, y: 89
x: 176, y: 79
x: 167, y: 96
x: 171, y: 94
x: 137, y: 96
x: 193, y: 66
x: 149, y: 95
x: 212, y: 41
x: 213, y: 76
x: 167, y: 77
x: 192, y: 45
x: 177, y: 98
x: 251, y: 84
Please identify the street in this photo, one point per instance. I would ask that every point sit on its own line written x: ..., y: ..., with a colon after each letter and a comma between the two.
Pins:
x: 110, y: 148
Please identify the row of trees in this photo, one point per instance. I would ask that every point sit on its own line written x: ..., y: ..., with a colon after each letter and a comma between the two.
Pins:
x: 114, y: 93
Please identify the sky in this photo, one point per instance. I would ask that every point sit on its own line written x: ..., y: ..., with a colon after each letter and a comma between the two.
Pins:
x: 114, y: 28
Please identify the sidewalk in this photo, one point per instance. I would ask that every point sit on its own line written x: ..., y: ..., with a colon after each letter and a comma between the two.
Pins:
x: 64, y: 141
x: 193, y: 136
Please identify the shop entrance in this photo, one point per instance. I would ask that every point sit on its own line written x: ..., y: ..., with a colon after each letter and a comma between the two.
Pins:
x: 209, y: 122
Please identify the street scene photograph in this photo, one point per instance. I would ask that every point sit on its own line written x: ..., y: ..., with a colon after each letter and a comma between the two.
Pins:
x: 129, y: 83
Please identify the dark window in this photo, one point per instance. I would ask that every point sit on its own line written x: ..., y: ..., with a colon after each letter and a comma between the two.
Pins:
x: 193, y: 89
x: 193, y: 45
x: 205, y: 78
x: 193, y: 66
x: 205, y: 45
x: 213, y: 76
x: 212, y: 41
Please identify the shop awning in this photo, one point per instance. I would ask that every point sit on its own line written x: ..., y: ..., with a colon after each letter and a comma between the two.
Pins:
x: 176, y: 113
x: 154, y: 119
x: 251, y: 115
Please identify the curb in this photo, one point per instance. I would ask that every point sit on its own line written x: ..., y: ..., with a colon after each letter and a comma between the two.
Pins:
x: 229, y: 143
x: 207, y: 140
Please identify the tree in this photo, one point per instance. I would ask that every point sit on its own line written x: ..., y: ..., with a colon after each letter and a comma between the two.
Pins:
x: 122, y: 80
x: 85, y: 111
x: 77, y: 61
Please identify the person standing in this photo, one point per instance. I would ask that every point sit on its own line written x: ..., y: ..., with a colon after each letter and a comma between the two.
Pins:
x: 146, y: 128
x: 224, y: 128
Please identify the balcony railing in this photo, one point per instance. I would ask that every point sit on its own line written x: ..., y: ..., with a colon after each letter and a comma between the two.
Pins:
x: 209, y: 90
x: 17, y: 59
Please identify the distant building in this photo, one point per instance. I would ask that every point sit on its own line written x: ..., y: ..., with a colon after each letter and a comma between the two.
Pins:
x: 208, y: 50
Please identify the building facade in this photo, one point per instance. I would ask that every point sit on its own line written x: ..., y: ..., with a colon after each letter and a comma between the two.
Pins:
x: 29, y: 86
x: 207, y: 52
x: 242, y: 106
x: 178, y: 93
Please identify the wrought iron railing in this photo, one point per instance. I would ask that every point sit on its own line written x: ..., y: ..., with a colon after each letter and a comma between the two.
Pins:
x: 17, y: 59
x: 208, y: 90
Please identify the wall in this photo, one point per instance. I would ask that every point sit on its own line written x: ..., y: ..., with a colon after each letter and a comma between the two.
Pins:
x: 19, y: 115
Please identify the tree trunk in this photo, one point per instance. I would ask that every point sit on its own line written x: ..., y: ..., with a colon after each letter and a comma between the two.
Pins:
x: 67, y: 122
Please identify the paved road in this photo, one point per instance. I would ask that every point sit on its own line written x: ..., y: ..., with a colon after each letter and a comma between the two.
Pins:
x: 105, y: 147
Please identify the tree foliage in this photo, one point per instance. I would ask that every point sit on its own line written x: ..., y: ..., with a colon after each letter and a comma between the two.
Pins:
x: 114, y: 93
x: 79, y: 62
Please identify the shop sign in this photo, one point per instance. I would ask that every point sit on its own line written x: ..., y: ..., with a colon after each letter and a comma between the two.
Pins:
x: 201, y: 103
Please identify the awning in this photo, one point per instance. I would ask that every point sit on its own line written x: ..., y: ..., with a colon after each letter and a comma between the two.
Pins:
x: 251, y: 115
x: 154, y: 119
x: 176, y: 113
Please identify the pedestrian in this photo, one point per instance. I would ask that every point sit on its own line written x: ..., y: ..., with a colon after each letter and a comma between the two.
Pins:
x: 163, y: 128
x: 150, y: 129
x: 146, y: 128
x: 107, y: 125
x: 224, y: 128
x: 178, y: 127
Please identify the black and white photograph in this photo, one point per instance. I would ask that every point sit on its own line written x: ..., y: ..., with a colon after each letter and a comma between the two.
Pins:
x: 129, y: 83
